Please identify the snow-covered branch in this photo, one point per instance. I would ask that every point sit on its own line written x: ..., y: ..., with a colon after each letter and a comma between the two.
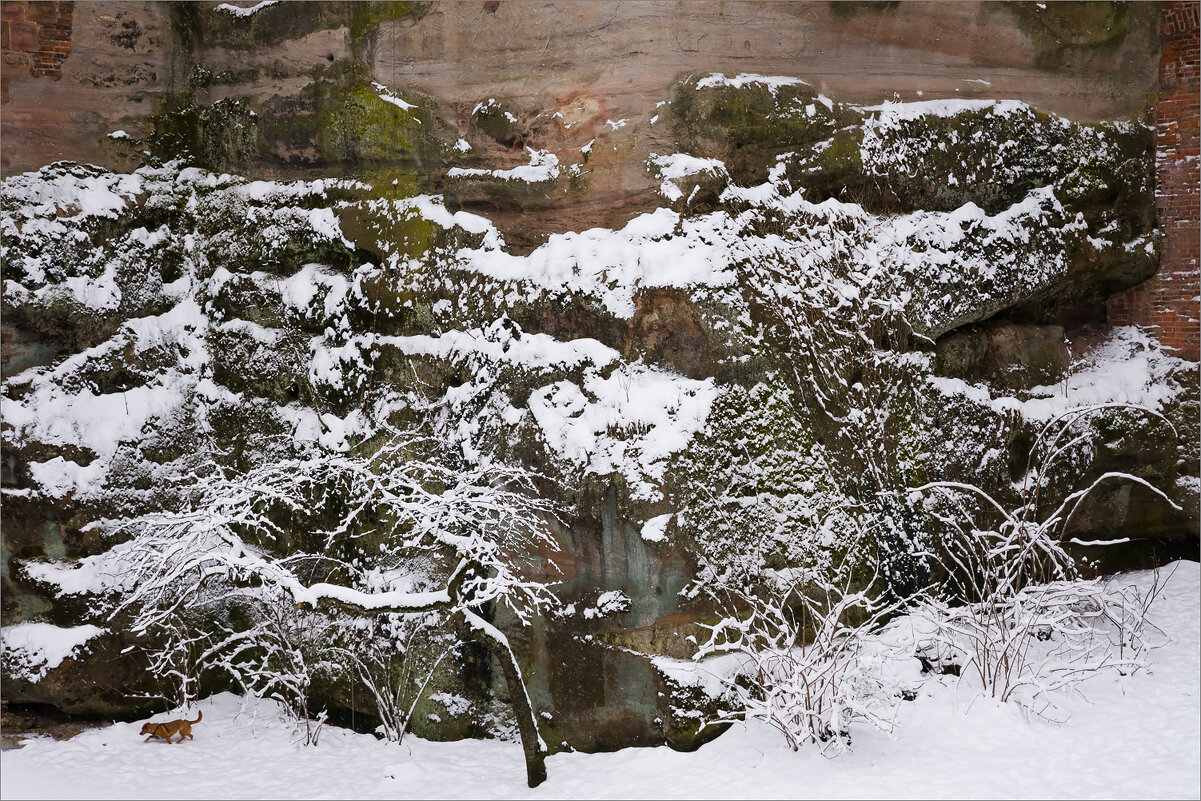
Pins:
x: 307, y: 543
x: 807, y: 669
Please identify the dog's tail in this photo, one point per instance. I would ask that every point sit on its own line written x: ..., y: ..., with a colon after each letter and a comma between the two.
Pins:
x: 199, y: 715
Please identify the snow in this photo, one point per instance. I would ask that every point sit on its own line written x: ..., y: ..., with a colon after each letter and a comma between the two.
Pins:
x: 54, y: 413
x: 431, y: 208
x: 85, y: 195
x: 681, y: 165
x: 655, y: 529
x: 935, y: 252
x: 1006, y: 255
x: 1127, y: 368
x: 605, y: 416
x: 535, y: 351
x: 484, y: 105
x: 772, y: 82
x: 59, y: 477
x: 670, y: 191
x: 395, y: 599
x: 1134, y: 736
x: 918, y: 262
x: 711, y: 675
x: 100, y: 293
x: 300, y: 289
x: 630, y: 422
x: 260, y: 334
x: 385, y: 94
x: 613, y: 602
x: 895, y: 112
x: 31, y: 650
x: 245, y: 11
x: 612, y: 265
x: 543, y: 166
x: 274, y: 191
x: 92, y: 574
x: 324, y: 223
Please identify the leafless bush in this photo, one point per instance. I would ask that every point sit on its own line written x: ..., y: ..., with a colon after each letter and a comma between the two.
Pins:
x: 807, y: 669
x: 1044, y: 639
x: 387, y: 664
x: 1016, y: 616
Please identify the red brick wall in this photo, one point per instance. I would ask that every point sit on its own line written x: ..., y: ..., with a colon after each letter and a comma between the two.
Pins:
x: 1170, y: 300
x: 35, y: 39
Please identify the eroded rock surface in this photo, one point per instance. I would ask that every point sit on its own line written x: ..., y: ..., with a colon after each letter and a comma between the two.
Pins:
x: 626, y: 245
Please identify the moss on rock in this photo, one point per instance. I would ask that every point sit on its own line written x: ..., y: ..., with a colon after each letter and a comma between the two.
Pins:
x: 748, y: 126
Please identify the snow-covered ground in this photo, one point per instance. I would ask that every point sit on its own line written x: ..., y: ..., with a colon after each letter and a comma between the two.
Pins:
x: 1134, y: 737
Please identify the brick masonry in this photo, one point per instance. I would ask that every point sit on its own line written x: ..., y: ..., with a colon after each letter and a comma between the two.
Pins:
x: 35, y: 39
x: 1170, y: 301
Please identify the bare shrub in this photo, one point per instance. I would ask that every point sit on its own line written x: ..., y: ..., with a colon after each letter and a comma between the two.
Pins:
x: 1015, y: 615
x: 808, y: 670
x: 386, y: 664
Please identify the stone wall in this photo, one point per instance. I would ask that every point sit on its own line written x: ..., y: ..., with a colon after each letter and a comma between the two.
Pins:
x: 1169, y: 300
x: 35, y: 40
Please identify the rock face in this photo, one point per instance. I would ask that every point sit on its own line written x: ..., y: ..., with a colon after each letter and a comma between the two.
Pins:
x: 591, y: 65
x: 626, y: 245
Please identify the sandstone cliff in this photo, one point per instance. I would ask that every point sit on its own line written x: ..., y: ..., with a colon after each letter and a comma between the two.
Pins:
x: 665, y: 254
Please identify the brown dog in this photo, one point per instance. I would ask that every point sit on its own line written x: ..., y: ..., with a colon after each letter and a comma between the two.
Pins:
x: 165, y: 731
